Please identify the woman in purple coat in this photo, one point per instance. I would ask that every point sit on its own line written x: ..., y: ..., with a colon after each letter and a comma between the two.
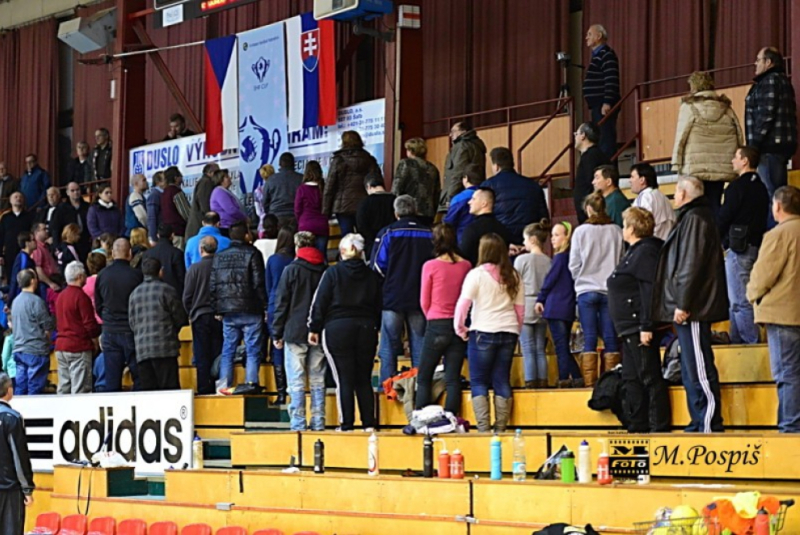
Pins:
x: 225, y: 203
x: 308, y: 206
x: 104, y: 215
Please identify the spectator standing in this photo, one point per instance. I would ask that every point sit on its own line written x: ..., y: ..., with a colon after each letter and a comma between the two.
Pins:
x: 350, y: 167
x: 77, y: 333
x: 292, y: 301
x: 630, y: 296
x: 556, y: 304
x: 9, y: 366
x: 135, y: 207
x: 418, y: 177
x: 742, y: 223
x: 8, y: 185
x: 27, y: 246
x: 773, y: 291
x: 153, y: 206
x: 34, y: 182
x: 532, y: 267
x: 17, y: 478
x: 156, y: 317
x: 33, y: 325
x: 690, y: 291
x: 494, y: 292
x: 139, y: 246
x: 644, y: 183
x: 587, y: 137
x: 284, y: 255
x: 601, y: 87
x: 46, y: 265
x: 467, y: 148
x: 458, y: 213
x: 170, y: 259
x: 595, y: 252
x: 519, y: 201
x: 206, y: 328
x: 101, y: 155
x: 344, y: 318
x: 45, y: 213
x: 225, y: 203
x: 375, y: 212
x: 308, y: 206
x: 210, y: 228
x: 201, y: 199
x: 481, y: 206
x: 267, y: 243
x: 400, y: 251
x: 66, y: 251
x: 76, y: 211
x: 238, y: 294
x: 80, y: 167
x: 770, y: 115
x: 442, y: 278
x: 177, y: 128
x: 281, y: 189
x: 606, y: 182
x: 94, y: 264
x: 104, y: 215
x: 175, y: 207
x: 265, y: 171
x: 113, y: 290
x: 11, y: 224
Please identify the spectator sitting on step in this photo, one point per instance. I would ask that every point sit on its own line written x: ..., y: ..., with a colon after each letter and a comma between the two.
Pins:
x: 606, y: 182
x: 644, y: 183
x: 458, y: 214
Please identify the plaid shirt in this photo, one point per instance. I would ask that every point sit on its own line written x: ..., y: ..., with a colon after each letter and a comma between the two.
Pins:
x: 156, y: 316
x: 771, y: 115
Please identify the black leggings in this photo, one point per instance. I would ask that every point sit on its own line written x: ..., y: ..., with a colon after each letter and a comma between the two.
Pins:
x: 350, y: 346
x: 441, y: 339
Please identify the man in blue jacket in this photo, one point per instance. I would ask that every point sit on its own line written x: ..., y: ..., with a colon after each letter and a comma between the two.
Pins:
x: 519, y: 200
x: 458, y: 214
x: 210, y: 228
x: 34, y: 182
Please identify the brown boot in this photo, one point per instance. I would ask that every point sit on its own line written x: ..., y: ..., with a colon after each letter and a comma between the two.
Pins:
x: 530, y: 385
x: 610, y: 361
x: 502, y: 413
x: 588, y: 365
x: 542, y: 383
x: 480, y: 405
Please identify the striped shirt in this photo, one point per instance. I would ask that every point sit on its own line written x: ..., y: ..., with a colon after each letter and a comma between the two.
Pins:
x: 601, y: 84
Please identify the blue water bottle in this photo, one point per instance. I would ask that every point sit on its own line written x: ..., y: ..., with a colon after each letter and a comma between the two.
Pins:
x: 497, y: 458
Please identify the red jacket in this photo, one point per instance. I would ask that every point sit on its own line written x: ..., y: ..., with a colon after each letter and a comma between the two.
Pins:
x: 75, y: 321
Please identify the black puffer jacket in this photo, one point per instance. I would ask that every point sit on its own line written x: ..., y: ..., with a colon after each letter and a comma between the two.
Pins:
x: 344, y: 189
x: 349, y: 290
x: 237, y: 280
x: 630, y: 287
x: 691, y: 269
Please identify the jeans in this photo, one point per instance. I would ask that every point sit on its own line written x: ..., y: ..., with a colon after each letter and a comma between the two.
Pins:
x: 119, y: 351
x: 391, y: 345
x: 207, y: 346
x: 235, y: 326
x: 608, y: 131
x: 533, y: 340
x: 441, y: 340
x: 490, y: 356
x: 276, y: 354
x: 567, y: 367
x: 712, y: 191
x: 700, y: 378
x: 347, y: 223
x: 74, y: 372
x: 32, y: 373
x: 594, y: 317
x: 321, y: 243
x: 646, y: 392
x: 774, y: 174
x: 784, y: 356
x: 737, y: 272
x: 305, y: 360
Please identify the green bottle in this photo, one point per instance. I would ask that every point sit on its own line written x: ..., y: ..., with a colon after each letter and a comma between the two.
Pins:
x: 568, y: 467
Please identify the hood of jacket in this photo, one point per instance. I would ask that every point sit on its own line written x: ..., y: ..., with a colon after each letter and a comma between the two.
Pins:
x: 357, y: 268
x: 471, y: 137
x: 311, y: 255
x: 708, y: 105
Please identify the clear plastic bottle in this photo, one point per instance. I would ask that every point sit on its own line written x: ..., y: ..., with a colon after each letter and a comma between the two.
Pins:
x: 584, y: 463
x: 518, y: 460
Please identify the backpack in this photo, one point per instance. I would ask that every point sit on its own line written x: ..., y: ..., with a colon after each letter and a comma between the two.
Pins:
x: 609, y: 394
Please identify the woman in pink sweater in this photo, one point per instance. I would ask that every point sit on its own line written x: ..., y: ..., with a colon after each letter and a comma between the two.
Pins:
x: 441, y: 285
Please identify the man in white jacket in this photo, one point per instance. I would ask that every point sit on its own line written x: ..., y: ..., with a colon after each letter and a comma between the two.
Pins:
x: 644, y: 184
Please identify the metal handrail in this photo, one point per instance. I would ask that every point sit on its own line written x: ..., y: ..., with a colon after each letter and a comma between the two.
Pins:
x: 564, y: 103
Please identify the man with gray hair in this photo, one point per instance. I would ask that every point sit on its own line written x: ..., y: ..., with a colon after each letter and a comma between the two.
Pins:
x: 601, y: 87
x: 77, y: 333
x: 16, y: 474
x: 399, y: 252
x: 690, y: 291
x: 32, y: 327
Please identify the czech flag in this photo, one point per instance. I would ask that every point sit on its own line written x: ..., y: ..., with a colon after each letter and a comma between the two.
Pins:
x: 222, y: 95
x: 311, y: 55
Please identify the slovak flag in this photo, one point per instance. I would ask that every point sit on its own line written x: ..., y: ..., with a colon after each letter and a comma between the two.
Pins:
x: 222, y: 95
x: 311, y: 54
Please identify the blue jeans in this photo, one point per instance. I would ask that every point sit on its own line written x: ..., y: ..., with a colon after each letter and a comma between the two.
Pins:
x: 490, y: 356
x: 347, y: 223
x: 321, y: 243
x: 774, y: 174
x: 533, y: 340
x: 737, y: 271
x: 700, y: 377
x: 119, y: 351
x: 784, y: 356
x: 594, y: 317
x: 32, y: 373
x: 306, y: 360
x: 234, y: 327
x: 392, y: 324
x: 567, y: 367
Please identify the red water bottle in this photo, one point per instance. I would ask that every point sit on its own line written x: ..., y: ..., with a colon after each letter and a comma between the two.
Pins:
x: 761, y: 526
x: 456, y: 465
x: 444, y: 465
x: 603, y: 471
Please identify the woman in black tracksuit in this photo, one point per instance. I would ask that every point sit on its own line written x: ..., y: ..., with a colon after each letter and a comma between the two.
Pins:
x: 346, y: 310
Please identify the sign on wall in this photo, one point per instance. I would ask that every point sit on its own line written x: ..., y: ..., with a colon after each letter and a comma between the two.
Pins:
x: 152, y: 430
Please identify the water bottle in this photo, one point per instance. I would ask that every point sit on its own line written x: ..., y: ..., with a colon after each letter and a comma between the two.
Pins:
x: 518, y: 463
x: 372, y: 455
x: 456, y: 465
x: 197, y: 453
x: 444, y: 464
x: 319, y: 457
x: 584, y: 463
x: 496, y: 452
x: 427, y: 456
x: 761, y: 526
x: 568, y: 467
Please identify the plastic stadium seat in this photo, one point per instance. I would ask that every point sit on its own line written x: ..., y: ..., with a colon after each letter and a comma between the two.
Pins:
x: 196, y: 529
x: 132, y: 526
x: 271, y: 531
x: 104, y: 525
x: 232, y: 530
x: 73, y: 524
x: 47, y: 523
x: 163, y: 528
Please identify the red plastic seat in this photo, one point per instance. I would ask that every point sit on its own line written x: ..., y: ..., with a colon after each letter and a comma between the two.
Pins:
x: 196, y: 529
x: 104, y: 525
x: 271, y: 531
x: 73, y: 525
x: 232, y: 530
x: 47, y: 523
x: 132, y: 526
x: 163, y: 528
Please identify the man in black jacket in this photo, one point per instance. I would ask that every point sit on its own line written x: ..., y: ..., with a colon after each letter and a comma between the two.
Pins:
x: 16, y: 475
x: 690, y: 291
x: 481, y: 205
x: 12, y: 223
x: 586, y: 138
x: 374, y: 213
x: 238, y: 294
x: 171, y: 258
x: 113, y: 290
x: 80, y: 167
x: 293, y: 300
x: 101, y: 155
x: 201, y: 200
x: 74, y: 210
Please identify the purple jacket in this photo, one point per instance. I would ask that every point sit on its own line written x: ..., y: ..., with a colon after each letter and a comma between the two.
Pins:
x: 101, y: 219
x: 227, y: 206
x: 308, y: 210
x: 558, y: 290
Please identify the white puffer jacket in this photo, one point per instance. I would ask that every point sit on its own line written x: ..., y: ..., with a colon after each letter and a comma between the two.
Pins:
x: 707, y: 137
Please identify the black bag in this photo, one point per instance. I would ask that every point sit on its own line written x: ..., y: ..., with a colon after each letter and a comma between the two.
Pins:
x: 737, y: 239
x: 566, y: 529
x: 609, y: 394
x: 671, y: 366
